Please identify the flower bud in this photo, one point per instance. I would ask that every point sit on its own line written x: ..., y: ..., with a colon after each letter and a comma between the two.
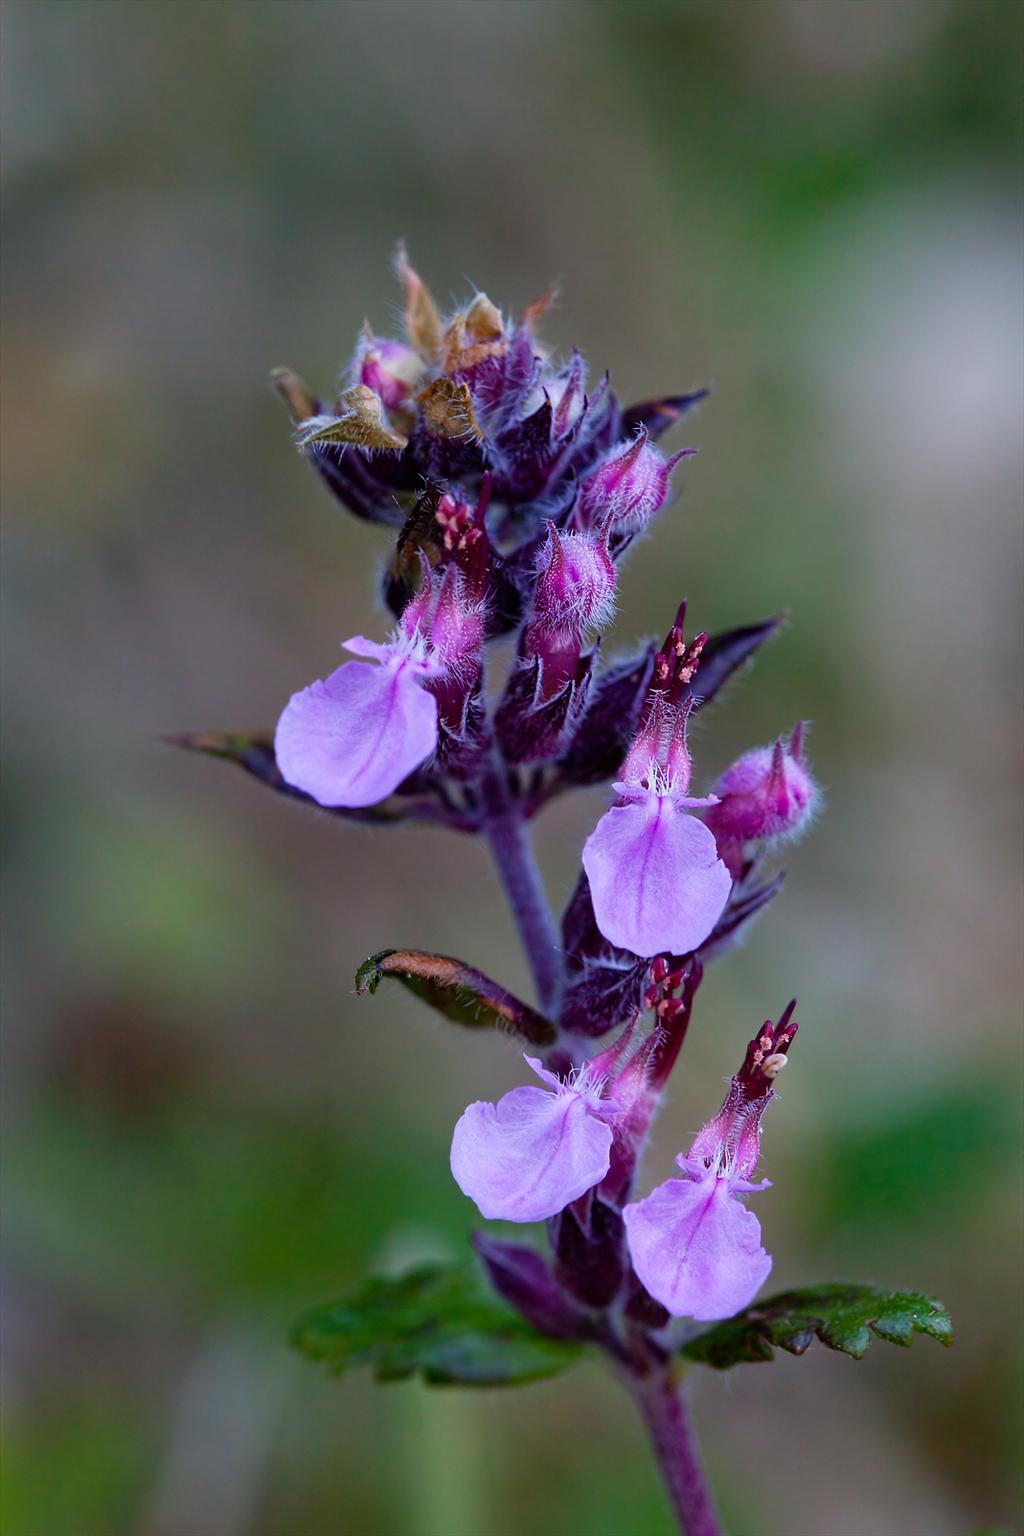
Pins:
x: 390, y: 368
x: 628, y: 488
x: 565, y: 392
x: 447, y: 620
x: 457, y: 628
x: 575, y: 590
x: 574, y: 595
x: 767, y: 793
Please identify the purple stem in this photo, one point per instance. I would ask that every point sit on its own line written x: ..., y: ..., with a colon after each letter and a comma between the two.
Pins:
x: 657, y: 1394
x: 513, y: 855
x: 664, y: 1410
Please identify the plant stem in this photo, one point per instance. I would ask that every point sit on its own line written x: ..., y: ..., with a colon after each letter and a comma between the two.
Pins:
x: 665, y: 1412
x: 513, y: 855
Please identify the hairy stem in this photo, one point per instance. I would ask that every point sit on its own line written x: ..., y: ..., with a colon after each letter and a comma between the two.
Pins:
x: 667, y: 1416
x: 513, y: 854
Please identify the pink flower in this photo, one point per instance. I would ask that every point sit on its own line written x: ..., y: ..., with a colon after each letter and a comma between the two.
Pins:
x: 538, y: 1149
x: 694, y: 1246
x: 351, y: 739
x: 656, y: 880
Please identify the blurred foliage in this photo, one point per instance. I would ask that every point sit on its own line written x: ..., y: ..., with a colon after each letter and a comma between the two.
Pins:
x: 438, y: 1321
x: 811, y: 206
x: 77, y: 1464
x: 922, y: 1167
x: 254, y: 1189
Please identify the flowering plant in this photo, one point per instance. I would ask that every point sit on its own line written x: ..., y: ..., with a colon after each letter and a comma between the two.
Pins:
x: 515, y: 491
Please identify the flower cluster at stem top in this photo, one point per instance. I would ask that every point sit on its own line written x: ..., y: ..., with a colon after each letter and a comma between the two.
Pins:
x: 516, y: 491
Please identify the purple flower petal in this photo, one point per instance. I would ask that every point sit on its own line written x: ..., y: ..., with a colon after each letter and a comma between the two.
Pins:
x: 353, y: 738
x: 531, y: 1154
x: 370, y: 650
x: 696, y: 1248
x: 657, y: 883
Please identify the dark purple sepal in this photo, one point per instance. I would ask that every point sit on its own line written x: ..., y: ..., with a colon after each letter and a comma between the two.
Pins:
x: 531, y: 728
x: 658, y: 415
x: 507, y: 596
x: 500, y: 383
x: 724, y: 654
x: 604, y: 985
x: 746, y: 902
x: 525, y: 455
x: 463, y: 743
x: 602, y: 993
x: 522, y: 1278
x: 603, y: 735
x: 534, y: 460
x: 371, y: 487
x: 641, y: 1307
x: 589, y: 1242
x: 580, y: 933
x: 420, y: 797
x: 447, y: 456
x: 600, y: 428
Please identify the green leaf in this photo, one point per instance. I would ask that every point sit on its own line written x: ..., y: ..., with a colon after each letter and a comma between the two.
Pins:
x: 436, y: 1321
x: 462, y: 994
x: 842, y: 1316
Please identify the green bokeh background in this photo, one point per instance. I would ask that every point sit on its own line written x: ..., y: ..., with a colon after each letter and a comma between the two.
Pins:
x: 814, y: 208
